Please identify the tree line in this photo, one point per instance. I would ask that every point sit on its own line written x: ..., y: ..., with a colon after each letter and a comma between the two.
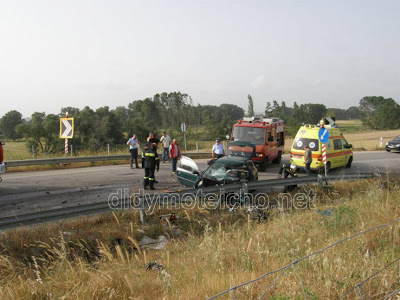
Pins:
x: 166, y: 111
x: 96, y: 128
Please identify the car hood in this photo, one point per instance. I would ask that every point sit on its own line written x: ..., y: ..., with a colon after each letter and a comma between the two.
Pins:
x: 241, y: 149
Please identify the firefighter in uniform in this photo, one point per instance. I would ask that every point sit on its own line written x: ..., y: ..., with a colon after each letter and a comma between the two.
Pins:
x: 150, y: 162
x: 288, y: 170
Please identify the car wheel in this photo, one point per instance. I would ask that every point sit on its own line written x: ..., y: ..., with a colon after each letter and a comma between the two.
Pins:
x: 264, y: 165
x: 278, y: 159
x: 349, y: 162
x: 387, y: 150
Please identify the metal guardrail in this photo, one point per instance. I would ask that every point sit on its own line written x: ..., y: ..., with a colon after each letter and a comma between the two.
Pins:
x: 270, y: 183
x: 93, y: 208
x: 78, y: 159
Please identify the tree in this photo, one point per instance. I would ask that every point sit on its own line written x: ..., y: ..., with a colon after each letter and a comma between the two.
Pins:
x: 297, y: 116
x: 283, y: 112
x: 250, y: 109
x: 43, y: 131
x: 352, y: 113
x: 337, y: 113
x: 276, y: 109
x: 72, y: 112
x: 268, y: 110
x: 9, y: 122
x: 233, y: 111
x: 312, y: 113
x: 379, y: 112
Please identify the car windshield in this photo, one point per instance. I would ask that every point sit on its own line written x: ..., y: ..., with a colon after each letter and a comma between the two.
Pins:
x: 216, y: 171
x: 254, y: 135
x: 397, y: 139
x: 299, y: 144
x: 221, y: 172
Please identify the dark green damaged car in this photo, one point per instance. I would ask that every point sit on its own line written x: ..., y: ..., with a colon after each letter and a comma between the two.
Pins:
x: 235, y: 167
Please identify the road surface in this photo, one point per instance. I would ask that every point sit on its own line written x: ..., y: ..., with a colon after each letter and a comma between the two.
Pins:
x: 26, y: 192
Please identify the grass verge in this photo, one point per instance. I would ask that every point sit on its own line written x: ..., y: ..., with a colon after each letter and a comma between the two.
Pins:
x: 97, y: 257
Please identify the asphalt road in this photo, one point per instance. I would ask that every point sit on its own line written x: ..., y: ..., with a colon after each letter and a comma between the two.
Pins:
x: 27, y: 192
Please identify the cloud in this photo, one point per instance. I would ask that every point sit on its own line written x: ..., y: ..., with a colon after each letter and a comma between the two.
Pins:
x: 258, y: 82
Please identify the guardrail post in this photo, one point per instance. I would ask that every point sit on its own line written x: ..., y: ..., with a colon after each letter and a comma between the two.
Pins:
x: 197, y: 147
x: 221, y: 199
x: 320, y: 182
x: 141, y: 206
x: 245, y: 192
x: 33, y: 152
x: 108, y: 149
x: 72, y: 150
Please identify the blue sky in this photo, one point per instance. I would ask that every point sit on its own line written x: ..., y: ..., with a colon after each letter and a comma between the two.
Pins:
x: 96, y: 53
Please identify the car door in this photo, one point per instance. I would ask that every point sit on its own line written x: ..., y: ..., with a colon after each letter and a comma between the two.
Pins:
x: 346, y: 151
x: 337, y: 157
x: 187, y: 172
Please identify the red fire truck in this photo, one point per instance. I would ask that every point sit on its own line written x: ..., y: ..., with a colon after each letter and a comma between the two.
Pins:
x: 268, y: 134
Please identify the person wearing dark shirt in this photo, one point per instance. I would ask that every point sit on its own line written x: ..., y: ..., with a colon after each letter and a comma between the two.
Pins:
x: 154, y: 141
x: 149, y: 164
x: 307, y: 159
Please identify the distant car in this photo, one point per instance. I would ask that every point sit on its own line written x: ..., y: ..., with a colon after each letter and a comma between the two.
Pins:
x: 237, y: 166
x: 393, y: 144
x: 2, y: 164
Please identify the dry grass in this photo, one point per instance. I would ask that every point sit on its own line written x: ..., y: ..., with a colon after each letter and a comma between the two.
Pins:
x: 371, y: 140
x: 217, y: 252
x: 355, y: 122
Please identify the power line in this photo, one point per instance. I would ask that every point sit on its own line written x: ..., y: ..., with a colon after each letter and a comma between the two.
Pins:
x: 285, y: 268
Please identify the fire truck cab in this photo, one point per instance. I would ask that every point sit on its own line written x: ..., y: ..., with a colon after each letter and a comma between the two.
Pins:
x: 268, y: 134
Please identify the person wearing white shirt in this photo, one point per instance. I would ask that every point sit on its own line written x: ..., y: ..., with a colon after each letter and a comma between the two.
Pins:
x: 133, y: 143
x: 165, y: 141
x: 218, y: 149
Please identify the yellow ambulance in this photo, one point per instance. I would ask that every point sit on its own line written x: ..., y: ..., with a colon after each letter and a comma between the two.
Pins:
x: 339, y: 152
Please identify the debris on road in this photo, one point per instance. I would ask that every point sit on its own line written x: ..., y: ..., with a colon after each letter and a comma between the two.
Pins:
x: 148, y: 242
x: 153, y: 266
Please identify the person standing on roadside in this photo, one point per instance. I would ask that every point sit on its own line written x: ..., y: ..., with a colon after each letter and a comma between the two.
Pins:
x: 152, y: 139
x: 307, y: 159
x: 149, y: 164
x: 133, y: 143
x: 218, y: 149
x: 165, y: 140
x: 175, y: 154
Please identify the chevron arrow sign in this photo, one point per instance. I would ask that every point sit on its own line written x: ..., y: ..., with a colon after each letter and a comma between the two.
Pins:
x: 66, y: 128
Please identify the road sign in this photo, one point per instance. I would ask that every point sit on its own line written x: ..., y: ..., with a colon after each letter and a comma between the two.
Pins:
x: 66, y: 128
x: 323, y: 135
x: 330, y: 120
x: 183, y: 127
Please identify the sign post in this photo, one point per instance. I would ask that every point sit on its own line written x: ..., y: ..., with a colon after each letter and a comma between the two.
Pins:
x: 183, y: 128
x: 66, y: 130
x: 323, y: 136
